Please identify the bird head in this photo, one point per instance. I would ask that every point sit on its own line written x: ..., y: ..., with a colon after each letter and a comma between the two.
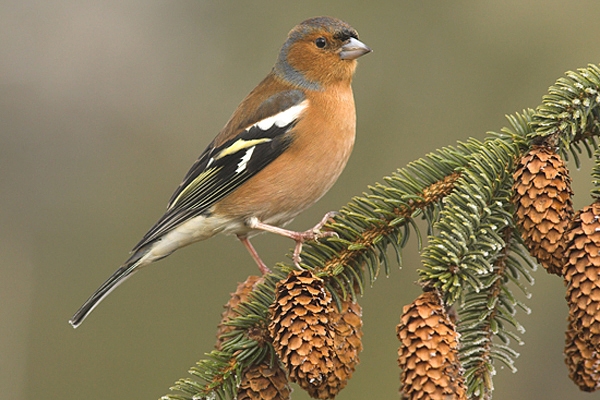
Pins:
x: 318, y: 52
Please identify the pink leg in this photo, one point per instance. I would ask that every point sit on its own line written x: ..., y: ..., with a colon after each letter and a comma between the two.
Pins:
x: 299, y: 237
x: 261, y: 265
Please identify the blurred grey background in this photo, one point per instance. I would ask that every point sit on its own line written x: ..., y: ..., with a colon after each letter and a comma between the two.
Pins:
x: 105, y: 105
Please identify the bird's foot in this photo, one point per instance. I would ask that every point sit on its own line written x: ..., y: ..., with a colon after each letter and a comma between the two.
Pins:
x: 313, y: 234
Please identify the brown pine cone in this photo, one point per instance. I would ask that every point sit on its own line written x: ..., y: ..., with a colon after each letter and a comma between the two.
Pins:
x: 582, y: 273
x: 264, y: 382
x: 301, y: 331
x: 583, y: 361
x: 428, y: 355
x: 347, y: 328
x: 239, y: 296
x: 582, y: 278
x: 543, y: 205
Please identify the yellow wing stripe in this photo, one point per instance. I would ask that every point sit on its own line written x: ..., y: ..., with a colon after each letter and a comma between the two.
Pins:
x: 239, y: 145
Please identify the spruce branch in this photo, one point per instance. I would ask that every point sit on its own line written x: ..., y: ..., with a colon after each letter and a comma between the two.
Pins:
x: 569, y: 115
x: 467, y: 238
x: 484, y: 313
x: 474, y: 255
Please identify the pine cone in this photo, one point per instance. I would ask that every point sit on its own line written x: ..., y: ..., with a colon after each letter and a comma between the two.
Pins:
x: 543, y: 205
x: 347, y: 328
x: 582, y: 278
x: 428, y: 354
x: 582, y: 273
x: 239, y: 296
x: 262, y: 382
x: 300, y: 327
x: 583, y: 361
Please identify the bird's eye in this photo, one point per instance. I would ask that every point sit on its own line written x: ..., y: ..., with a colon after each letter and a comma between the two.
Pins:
x: 320, y: 42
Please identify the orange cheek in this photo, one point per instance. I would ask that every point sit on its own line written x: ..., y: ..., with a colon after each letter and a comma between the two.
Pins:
x: 319, y: 66
x: 302, y: 57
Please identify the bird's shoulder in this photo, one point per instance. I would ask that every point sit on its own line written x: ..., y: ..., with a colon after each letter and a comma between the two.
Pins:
x: 270, y: 97
x: 262, y: 118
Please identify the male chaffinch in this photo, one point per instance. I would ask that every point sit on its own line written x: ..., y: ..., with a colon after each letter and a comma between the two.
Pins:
x: 281, y: 150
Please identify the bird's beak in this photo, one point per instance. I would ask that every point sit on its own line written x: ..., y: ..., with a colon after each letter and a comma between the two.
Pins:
x: 354, y: 49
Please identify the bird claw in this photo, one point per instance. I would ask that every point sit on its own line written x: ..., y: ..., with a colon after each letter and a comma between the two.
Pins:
x: 312, y: 234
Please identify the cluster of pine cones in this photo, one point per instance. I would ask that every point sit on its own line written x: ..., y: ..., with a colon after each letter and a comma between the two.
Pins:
x: 317, y: 341
x: 566, y: 244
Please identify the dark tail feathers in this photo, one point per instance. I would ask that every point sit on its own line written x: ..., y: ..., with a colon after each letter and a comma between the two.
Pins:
x: 108, y: 286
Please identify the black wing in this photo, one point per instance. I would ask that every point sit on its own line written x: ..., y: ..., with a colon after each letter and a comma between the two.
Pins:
x: 220, y: 170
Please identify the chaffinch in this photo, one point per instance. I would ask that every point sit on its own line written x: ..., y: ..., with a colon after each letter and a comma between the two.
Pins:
x: 281, y: 150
